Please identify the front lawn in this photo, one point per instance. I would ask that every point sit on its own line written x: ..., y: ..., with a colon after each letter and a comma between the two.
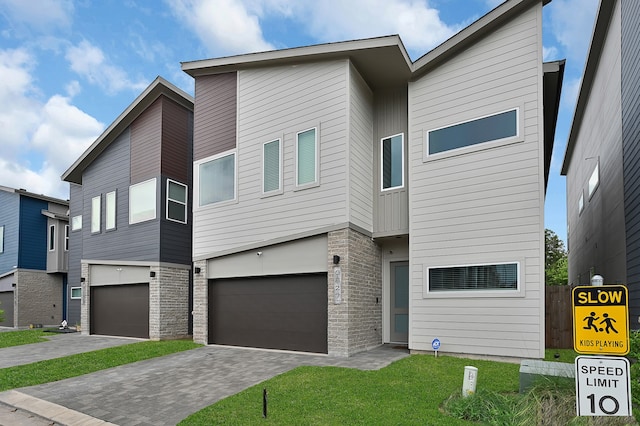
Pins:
x: 22, y: 337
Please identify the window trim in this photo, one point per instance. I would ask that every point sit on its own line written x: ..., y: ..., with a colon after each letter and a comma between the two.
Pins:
x: 402, y: 154
x: 66, y: 237
x: 596, y: 173
x: 71, y: 296
x: 184, y: 204
x: 196, y: 178
x: 280, y: 189
x: 110, y: 208
x: 316, y: 180
x: 52, y: 237
x: 481, y: 146
x: 517, y: 292
x: 96, y: 214
x: 155, y: 201
x: 76, y: 220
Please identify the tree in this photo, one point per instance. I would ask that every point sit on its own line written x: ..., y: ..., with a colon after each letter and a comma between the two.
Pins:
x: 556, y: 262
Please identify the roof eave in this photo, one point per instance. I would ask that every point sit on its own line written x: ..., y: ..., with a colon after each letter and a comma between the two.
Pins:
x: 552, y: 89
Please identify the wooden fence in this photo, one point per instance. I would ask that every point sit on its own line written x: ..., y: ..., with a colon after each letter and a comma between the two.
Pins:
x: 558, y: 317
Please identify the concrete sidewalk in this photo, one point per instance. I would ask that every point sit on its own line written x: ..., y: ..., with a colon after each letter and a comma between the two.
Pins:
x: 163, y: 391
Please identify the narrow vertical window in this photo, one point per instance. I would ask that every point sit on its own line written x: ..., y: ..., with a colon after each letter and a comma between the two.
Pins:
x: 2, y: 239
x: 392, y: 162
x: 95, y: 214
x: 271, y: 166
x: 306, y: 158
x: 110, y: 210
x: 581, y: 203
x: 176, y: 201
x: 594, y: 180
x: 66, y: 238
x: 52, y: 237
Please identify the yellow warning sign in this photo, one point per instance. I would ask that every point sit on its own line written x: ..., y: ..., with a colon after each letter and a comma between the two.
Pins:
x: 601, y: 320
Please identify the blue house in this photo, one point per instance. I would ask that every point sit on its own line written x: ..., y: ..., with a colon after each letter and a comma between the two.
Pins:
x: 34, y: 244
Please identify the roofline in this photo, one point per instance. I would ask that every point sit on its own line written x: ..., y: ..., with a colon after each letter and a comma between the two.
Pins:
x: 158, y: 87
x: 600, y: 29
x: 42, y: 197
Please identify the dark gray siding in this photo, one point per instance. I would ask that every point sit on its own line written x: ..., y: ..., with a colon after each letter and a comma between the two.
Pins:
x: 177, y: 142
x: 146, y: 133
x: 215, y: 112
x: 137, y: 242
x: 75, y: 252
x: 631, y: 148
x: 9, y: 213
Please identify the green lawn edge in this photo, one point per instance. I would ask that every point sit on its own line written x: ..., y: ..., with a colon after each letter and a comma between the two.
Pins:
x: 22, y: 337
x: 88, y: 362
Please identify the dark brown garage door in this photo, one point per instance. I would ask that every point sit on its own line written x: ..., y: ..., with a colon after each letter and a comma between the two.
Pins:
x: 6, y: 304
x: 281, y: 312
x: 120, y: 310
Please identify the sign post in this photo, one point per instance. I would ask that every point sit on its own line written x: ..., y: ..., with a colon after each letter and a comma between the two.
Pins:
x: 603, y: 386
x: 435, y: 344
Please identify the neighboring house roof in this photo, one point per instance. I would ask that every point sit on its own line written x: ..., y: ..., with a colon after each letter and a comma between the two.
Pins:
x: 36, y: 196
x: 54, y: 215
x: 605, y: 11
x: 158, y: 87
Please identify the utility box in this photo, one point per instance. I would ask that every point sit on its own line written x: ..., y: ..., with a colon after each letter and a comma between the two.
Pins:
x: 534, y: 369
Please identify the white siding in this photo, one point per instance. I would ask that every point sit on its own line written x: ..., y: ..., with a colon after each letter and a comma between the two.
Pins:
x: 272, y: 103
x: 481, y: 206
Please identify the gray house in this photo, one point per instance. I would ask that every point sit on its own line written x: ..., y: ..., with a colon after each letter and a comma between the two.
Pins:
x: 601, y: 160
x: 130, y: 209
x: 34, y: 248
x: 345, y: 196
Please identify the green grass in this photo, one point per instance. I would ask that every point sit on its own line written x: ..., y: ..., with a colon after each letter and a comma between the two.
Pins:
x: 22, y: 337
x: 76, y: 365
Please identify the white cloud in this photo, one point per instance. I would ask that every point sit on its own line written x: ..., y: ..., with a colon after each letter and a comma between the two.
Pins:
x: 570, y: 90
x: 42, y: 16
x: 572, y: 25
x: 550, y: 53
x: 90, y: 62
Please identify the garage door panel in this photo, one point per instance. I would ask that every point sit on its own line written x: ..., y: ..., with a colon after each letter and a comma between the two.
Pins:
x: 285, y: 312
x: 120, y: 310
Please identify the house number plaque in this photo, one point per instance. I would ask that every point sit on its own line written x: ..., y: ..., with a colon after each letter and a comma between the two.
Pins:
x: 337, y: 285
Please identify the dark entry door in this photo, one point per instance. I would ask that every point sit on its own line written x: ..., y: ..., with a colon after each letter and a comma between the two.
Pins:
x: 120, y: 310
x: 280, y: 312
x: 399, y: 302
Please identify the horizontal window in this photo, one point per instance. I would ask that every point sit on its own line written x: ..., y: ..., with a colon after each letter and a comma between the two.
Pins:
x: 216, y: 179
x: 142, y: 201
x: 495, y: 127
x: 76, y: 292
x: 501, y: 276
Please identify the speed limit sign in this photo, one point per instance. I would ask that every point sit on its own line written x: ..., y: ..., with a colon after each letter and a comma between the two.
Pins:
x: 603, y: 386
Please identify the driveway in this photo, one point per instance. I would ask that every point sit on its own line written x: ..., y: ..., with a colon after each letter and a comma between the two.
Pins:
x: 163, y: 391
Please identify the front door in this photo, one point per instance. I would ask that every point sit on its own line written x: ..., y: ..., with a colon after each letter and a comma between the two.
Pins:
x: 399, y: 302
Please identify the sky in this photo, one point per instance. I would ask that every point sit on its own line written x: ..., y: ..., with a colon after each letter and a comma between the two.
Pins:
x: 68, y: 68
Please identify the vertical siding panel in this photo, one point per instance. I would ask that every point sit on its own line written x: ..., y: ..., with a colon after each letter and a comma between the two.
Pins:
x: 10, y: 219
x: 177, y: 138
x: 32, y: 250
x: 146, y: 136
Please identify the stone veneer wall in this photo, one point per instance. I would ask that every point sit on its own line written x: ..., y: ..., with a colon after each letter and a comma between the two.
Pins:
x: 37, y: 298
x: 200, y: 304
x: 169, y: 303
x: 355, y: 324
x: 86, y: 300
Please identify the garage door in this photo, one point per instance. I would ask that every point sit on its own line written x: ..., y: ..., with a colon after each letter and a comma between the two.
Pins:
x: 284, y: 312
x: 6, y: 304
x: 120, y: 310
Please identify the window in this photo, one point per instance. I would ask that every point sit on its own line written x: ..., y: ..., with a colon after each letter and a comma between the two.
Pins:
x: 66, y: 238
x: 176, y: 201
x: 306, y: 158
x: 110, y: 210
x: 52, y: 237
x: 272, y: 166
x: 581, y: 203
x: 76, y: 292
x: 95, y: 214
x: 216, y: 179
x: 142, y: 201
x: 498, y: 127
x: 500, y: 277
x: 594, y: 180
x: 2, y: 239
x: 392, y: 162
x: 76, y: 223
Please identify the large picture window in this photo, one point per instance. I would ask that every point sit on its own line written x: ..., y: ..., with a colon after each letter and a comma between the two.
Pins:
x: 306, y: 158
x: 497, y: 127
x: 142, y: 201
x: 392, y: 162
x: 217, y: 179
x: 272, y: 166
x: 495, y: 277
x: 176, y: 201
x: 95, y: 214
x: 110, y: 210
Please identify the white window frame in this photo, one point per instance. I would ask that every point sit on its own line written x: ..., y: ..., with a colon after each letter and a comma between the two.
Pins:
x: 171, y: 200
x: 110, y: 202
x: 427, y: 293
x: 594, y: 180
x: 2, y: 239
x: 316, y: 180
x: 391, y: 188
x: 196, y: 176
x: 278, y: 190
x: 66, y: 238
x: 71, y: 296
x: 96, y: 210
x: 518, y: 137
x: 52, y: 238
x: 135, y: 187
x: 76, y: 223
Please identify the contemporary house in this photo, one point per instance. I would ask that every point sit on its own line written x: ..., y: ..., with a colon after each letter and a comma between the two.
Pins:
x: 34, y: 244
x: 345, y: 196
x: 601, y: 160
x: 130, y: 210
